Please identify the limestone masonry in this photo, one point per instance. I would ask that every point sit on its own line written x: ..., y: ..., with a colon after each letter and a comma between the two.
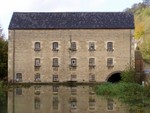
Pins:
x: 60, y: 47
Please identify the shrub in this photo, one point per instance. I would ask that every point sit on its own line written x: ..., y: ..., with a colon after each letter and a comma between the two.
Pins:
x: 128, y: 75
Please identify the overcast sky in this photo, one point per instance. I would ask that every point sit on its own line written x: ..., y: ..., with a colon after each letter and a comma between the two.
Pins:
x: 7, y: 7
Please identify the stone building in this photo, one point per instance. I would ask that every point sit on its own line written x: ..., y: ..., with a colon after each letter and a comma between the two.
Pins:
x: 69, y: 46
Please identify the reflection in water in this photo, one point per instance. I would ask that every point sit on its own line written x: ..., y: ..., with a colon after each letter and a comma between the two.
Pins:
x: 60, y: 99
x: 110, y: 104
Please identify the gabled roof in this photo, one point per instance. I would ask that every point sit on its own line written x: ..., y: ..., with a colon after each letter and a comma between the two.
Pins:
x: 72, y: 20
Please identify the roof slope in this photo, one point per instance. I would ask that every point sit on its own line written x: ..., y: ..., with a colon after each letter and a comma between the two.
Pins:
x: 72, y: 20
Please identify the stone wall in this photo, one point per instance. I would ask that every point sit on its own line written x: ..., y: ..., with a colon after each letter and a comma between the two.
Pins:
x: 22, y: 54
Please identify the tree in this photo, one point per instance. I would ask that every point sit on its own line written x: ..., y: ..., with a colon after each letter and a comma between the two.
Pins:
x: 145, y: 49
x: 146, y: 2
x: 3, y: 55
x: 139, y: 30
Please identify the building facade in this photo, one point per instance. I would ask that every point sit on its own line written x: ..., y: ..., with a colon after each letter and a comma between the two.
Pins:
x: 61, y: 47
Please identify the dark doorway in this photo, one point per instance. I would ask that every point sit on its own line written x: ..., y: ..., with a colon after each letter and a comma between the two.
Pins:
x: 114, y: 78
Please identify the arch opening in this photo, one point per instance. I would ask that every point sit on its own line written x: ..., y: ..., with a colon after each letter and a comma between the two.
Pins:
x: 114, y: 78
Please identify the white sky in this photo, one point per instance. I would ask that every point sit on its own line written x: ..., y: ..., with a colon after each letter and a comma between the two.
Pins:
x: 7, y: 7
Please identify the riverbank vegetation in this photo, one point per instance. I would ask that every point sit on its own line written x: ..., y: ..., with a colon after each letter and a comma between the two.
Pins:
x: 132, y: 94
x: 128, y: 91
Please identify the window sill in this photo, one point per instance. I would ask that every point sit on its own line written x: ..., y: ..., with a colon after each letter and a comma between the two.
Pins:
x: 18, y: 80
x: 92, y: 65
x: 92, y: 49
x: 73, y: 65
x: 110, y: 50
x: 37, y: 80
x: 110, y: 66
x: 37, y: 50
x: 55, y: 50
x: 55, y: 65
x: 55, y: 80
x: 71, y: 49
x: 37, y: 66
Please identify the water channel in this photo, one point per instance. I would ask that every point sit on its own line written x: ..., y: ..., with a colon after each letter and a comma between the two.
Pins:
x: 59, y: 99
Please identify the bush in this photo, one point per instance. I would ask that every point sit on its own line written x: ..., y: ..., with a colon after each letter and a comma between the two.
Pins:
x: 128, y: 75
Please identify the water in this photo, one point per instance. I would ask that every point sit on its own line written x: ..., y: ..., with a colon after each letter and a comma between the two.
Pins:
x: 59, y: 99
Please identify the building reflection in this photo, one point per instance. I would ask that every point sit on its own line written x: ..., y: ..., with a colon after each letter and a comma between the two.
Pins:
x: 60, y: 99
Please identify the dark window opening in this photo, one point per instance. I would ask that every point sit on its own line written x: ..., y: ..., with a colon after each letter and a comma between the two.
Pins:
x: 55, y: 46
x: 37, y: 46
x: 115, y: 78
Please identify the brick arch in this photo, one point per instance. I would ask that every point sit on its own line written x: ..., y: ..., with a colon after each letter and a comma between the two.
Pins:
x: 113, y: 74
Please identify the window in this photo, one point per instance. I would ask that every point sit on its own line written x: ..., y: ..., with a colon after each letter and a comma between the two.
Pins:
x: 37, y: 46
x: 18, y: 77
x: 73, y: 62
x: 73, y: 77
x: 55, y: 103
x: 37, y: 62
x: 73, y: 103
x: 110, y: 46
x: 91, y: 77
x: 18, y: 91
x: 73, y: 90
x: 109, y: 62
x: 55, y: 46
x: 110, y: 104
x: 91, y: 102
x: 55, y: 62
x: 73, y: 46
x: 91, y: 46
x: 91, y: 61
x: 37, y: 103
x: 37, y: 90
x: 55, y: 88
x: 37, y: 77
x: 55, y: 78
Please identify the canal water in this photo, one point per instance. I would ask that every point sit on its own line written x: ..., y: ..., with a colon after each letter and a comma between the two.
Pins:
x: 59, y: 99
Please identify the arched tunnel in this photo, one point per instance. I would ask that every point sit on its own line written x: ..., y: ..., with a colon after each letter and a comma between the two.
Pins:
x: 114, y: 78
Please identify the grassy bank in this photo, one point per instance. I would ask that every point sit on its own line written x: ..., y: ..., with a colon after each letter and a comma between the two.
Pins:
x: 134, y: 95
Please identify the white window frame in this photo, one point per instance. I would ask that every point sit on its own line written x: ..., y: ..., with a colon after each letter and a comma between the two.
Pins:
x: 110, y: 62
x: 110, y: 49
x: 37, y: 77
x: 92, y: 46
x: 73, y: 45
x: 55, y: 62
x: 55, y: 46
x: 37, y: 62
x: 74, y: 62
x: 37, y: 46
x: 91, y: 64
x: 18, y: 77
